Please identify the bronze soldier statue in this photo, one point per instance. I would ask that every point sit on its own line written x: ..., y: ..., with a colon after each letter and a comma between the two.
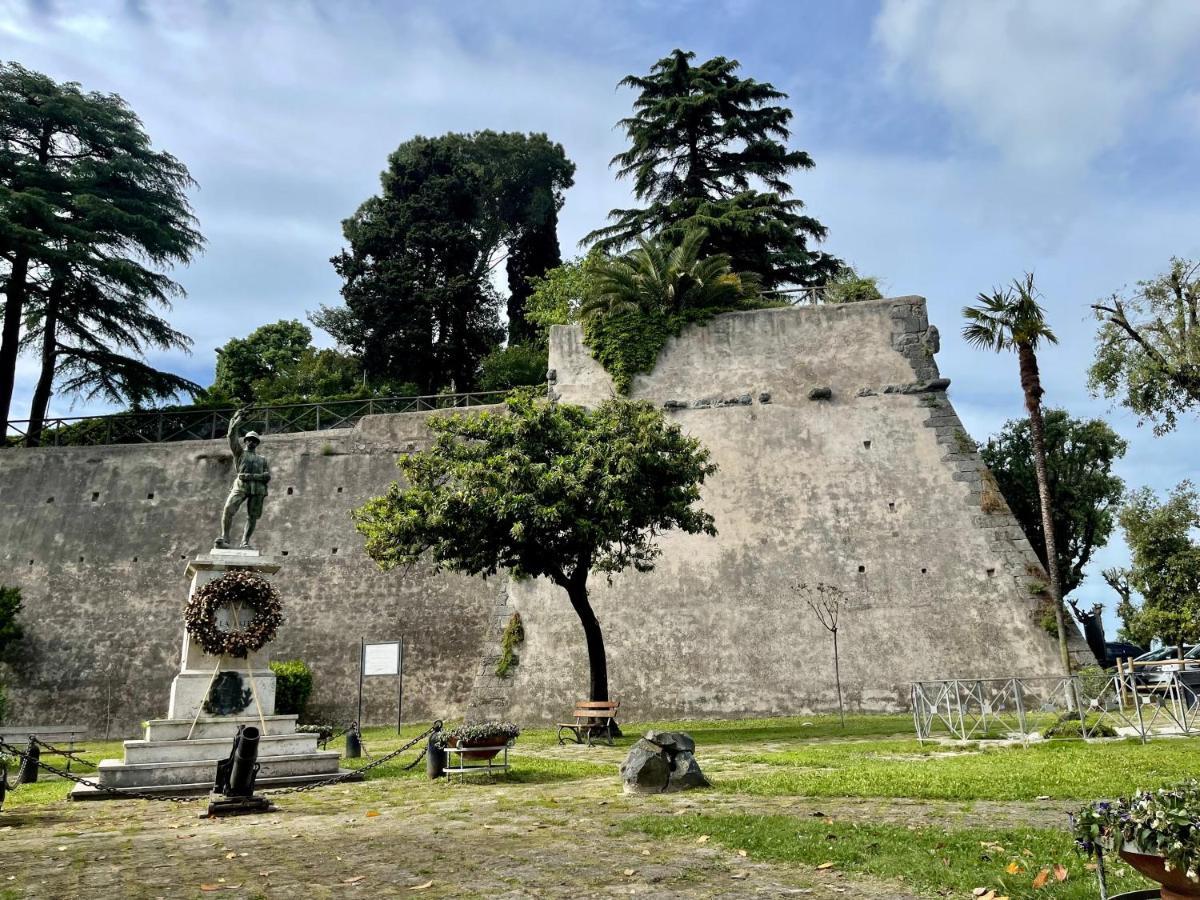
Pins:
x: 250, y: 486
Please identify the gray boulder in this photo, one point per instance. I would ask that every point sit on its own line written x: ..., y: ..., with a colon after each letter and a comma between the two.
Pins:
x: 662, y: 761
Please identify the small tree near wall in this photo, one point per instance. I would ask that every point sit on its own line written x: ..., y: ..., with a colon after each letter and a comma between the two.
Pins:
x: 544, y: 490
x: 827, y: 602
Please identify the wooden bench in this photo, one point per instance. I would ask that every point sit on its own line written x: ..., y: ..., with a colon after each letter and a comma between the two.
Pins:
x: 54, y: 735
x: 592, y: 717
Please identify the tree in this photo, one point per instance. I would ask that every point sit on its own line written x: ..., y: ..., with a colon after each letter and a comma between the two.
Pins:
x: 1012, y: 319
x: 1165, y: 564
x: 558, y: 295
x: 1084, y: 495
x: 85, y: 203
x: 702, y: 141
x: 826, y: 602
x: 1148, y: 347
x: 544, y: 490
x: 267, y: 352
x: 420, y: 305
x: 519, y: 365
x: 91, y: 337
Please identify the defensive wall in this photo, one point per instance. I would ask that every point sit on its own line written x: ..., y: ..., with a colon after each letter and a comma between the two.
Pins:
x: 841, y: 460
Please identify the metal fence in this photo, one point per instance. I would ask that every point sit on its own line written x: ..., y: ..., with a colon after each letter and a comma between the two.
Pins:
x: 166, y: 425
x: 1025, y: 708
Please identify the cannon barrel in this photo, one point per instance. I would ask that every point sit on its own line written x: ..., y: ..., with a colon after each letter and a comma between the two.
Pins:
x: 245, y: 763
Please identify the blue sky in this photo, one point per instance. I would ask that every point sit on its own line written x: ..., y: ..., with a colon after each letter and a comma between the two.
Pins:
x: 957, y: 144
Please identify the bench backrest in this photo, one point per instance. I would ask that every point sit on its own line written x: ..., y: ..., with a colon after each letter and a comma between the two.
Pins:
x: 596, y: 709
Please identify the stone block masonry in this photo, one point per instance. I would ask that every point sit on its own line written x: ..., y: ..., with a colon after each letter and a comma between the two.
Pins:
x: 871, y: 485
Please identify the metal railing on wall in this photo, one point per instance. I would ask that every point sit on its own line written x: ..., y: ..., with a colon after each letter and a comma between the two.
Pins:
x: 168, y: 425
x: 1103, y: 705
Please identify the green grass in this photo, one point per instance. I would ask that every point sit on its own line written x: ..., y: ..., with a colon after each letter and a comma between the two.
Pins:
x: 929, y: 859
x: 1060, y: 770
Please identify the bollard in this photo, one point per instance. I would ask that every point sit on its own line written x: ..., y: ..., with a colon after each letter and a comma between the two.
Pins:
x: 28, y: 773
x: 435, y: 759
x: 353, y: 743
x: 3, y: 781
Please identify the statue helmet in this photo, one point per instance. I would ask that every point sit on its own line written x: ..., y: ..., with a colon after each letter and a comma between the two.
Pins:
x: 252, y: 436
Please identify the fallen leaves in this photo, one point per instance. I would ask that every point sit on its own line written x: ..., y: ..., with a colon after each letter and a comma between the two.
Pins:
x: 1060, y: 872
x: 372, y: 813
x: 355, y: 880
x: 824, y: 865
x: 1013, y: 868
x: 422, y: 887
x: 703, y: 839
x: 1041, y: 878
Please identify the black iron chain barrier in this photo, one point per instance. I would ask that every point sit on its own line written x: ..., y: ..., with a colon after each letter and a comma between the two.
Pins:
x: 190, y: 798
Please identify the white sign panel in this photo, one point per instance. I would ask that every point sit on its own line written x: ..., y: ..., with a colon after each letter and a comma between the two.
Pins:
x: 381, y: 659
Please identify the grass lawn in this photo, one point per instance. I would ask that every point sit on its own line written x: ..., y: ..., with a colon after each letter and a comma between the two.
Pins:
x: 865, y: 810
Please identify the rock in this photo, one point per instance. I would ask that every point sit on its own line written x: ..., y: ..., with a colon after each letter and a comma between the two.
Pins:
x: 675, y: 404
x: 662, y: 761
x: 764, y: 397
x: 674, y: 741
x: 821, y: 393
x: 646, y: 769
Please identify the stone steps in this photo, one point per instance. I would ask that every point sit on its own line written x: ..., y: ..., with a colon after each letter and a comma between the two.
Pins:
x: 139, y: 776
x: 212, y: 749
x: 224, y: 727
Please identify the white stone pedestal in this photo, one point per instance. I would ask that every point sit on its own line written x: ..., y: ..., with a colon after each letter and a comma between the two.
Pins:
x: 179, y: 753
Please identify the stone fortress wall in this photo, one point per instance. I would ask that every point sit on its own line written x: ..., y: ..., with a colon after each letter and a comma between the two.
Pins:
x: 876, y: 489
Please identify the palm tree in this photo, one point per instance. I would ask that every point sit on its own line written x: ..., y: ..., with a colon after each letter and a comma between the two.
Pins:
x: 1012, y: 319
x: 659, y: 275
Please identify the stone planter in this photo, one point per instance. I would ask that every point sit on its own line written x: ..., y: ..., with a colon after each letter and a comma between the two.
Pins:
x: 1175, y: 884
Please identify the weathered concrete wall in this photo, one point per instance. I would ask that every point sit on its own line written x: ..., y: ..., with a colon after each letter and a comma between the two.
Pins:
x: 97, y: 538
x: 877, y: 490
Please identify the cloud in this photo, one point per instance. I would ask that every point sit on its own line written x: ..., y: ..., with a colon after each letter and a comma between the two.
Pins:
x: 1050, y: 85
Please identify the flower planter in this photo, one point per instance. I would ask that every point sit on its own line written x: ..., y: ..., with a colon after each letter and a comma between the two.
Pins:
x: 1175, y: 884
x: 494, y: 745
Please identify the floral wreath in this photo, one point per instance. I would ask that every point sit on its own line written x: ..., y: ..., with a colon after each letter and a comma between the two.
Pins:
x: 236, y: 587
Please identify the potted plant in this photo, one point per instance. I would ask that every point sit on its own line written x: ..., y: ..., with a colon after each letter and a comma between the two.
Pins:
x: 491, y: 735
x: 1156, y: 832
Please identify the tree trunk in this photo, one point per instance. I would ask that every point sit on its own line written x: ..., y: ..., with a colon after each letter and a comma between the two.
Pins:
x: 14, y: 306
x: 837, y: 677
x: 1032, y: 386
x: 597, y: 661
x: 45, y: 384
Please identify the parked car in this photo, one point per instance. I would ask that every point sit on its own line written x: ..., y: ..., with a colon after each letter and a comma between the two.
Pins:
x: 1114, y: 650
x: 1153, y: 676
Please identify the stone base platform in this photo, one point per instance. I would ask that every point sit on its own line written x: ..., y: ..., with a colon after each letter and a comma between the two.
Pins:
x: 168, y: 761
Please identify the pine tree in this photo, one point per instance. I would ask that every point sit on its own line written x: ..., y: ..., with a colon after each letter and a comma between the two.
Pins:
x: 86, y: 204
x: 702, y: 141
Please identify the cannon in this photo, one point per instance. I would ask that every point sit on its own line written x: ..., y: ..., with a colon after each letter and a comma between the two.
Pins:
x: 233, y: 789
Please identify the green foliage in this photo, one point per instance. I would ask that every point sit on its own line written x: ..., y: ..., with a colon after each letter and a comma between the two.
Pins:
x: 1008, y: 319
x: 634, y: 303
x: 847, y: 286
x: 514, y: 633
x: 558, y: 295
x: 479, y: 733
x: 11, y: 631
x: 702, y: 143
x: 1148, y: 345
x: 1165, y: 564
x: 90, y: 215
x: 265, y: 353
x: 293, y: 686
x: 420, y: 305
x: 1160, y: 823
x: 519, y: 365
x: 1084, y: 492
x: 543, y: 489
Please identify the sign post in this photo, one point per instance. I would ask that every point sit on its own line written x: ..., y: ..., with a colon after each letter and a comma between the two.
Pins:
x: 382, y: 658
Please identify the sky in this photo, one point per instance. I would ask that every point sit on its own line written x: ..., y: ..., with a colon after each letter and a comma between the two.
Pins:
x: 957, y: 145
